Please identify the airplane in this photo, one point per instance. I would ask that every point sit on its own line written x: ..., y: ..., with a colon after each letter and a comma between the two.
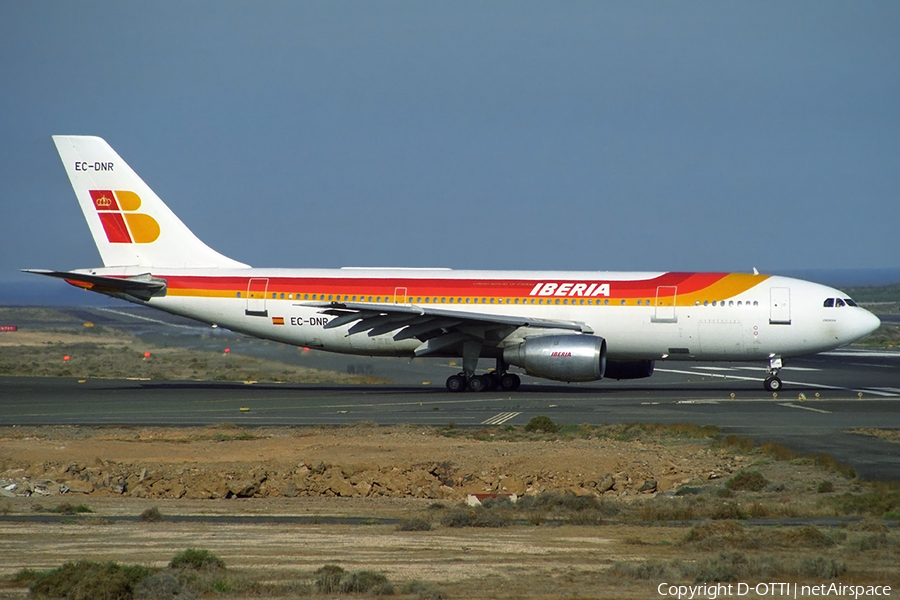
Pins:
x: 557, y: 325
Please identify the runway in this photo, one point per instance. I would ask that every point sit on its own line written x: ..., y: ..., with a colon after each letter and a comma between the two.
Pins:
x: 856, y: 389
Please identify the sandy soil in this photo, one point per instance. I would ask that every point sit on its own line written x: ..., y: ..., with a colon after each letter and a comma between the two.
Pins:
x: 361, y: 461
x: 379, y: 476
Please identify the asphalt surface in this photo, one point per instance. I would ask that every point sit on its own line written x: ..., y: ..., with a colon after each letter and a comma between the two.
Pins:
x: 856, y: 389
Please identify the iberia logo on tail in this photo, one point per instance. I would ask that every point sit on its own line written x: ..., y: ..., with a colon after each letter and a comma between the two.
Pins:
x: 121, y: 224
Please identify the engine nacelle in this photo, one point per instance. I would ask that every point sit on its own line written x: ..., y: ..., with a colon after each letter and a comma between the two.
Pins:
x: 629, y: 369
x: 561, y: 357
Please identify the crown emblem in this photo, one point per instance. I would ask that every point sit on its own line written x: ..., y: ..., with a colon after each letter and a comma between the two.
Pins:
x: 103, y: 202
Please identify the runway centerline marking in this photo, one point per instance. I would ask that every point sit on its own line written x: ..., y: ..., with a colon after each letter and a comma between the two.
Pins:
x: 818, y: 410
x: 875, y: 391
x: 501, y: 418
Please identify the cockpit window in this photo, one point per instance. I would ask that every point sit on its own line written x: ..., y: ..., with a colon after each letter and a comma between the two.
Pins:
x: 850, y: 302
x: 829, y: 303
x: 838, y: 302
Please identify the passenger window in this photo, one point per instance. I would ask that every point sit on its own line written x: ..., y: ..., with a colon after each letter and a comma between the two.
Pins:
x: 639, y: 302
x: 239, y: 295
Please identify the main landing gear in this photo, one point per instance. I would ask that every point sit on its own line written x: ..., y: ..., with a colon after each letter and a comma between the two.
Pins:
x: 772, y: 382
x: 494, y: 380
x: 488, y: 382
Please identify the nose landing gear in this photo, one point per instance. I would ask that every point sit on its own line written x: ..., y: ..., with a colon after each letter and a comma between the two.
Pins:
x: 772, y: 382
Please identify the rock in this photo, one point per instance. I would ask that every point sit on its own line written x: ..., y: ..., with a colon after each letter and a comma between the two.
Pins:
x: 243, y: 488
x: 648, y: 488
x: 606, y: 483
x: 79, y: 487
x: 340, y: 486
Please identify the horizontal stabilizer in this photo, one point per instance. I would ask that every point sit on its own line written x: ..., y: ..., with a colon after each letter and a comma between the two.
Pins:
x: 142, y: 287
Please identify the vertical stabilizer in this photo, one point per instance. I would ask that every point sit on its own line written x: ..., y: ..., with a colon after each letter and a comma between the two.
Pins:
x: 130, y: 224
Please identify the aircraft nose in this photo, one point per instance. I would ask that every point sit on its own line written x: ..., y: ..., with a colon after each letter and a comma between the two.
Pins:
x: 867, y: 323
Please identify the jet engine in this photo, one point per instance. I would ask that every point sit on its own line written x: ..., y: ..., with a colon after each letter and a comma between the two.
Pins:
x: 560, y: 357
x: 629, y: 369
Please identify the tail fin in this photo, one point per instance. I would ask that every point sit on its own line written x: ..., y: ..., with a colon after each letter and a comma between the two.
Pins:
x: 130, y: 224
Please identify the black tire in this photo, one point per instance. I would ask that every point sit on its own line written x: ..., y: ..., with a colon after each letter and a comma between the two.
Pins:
x: 493, y: 381
x: 456, y: 383
x: 510, y: 382
x: 773, y: 384
x: 478, y: 384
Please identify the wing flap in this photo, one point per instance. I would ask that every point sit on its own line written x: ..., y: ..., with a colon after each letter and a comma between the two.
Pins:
x: 359, y: 308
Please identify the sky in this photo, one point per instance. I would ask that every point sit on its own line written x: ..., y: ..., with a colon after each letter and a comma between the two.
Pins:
x: 695, y: 136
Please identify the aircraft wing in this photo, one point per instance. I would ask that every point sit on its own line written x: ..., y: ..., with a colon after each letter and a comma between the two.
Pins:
x: 143, y: 286
x: 436, y: 328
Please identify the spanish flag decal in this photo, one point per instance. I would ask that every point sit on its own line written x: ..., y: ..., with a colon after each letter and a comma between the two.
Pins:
x: 277, y: 320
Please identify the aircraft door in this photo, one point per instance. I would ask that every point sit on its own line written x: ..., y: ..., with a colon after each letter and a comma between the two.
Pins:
x: 400, y: 295
x: 256, y: 297
x: 665, y: 304
x: 779, y: 306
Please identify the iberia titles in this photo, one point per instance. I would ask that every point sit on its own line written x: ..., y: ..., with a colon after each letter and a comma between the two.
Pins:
x: 570, y: 289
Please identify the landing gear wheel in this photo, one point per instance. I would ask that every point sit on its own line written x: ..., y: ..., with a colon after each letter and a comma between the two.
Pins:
x: 456, y: 383
x: 493, y: 381
x: 510, y: 382
x: 772, y: 384
x: 478, y: 383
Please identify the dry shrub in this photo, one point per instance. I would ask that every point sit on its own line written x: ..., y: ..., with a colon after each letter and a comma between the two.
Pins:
x: 541, y: 424
x: 869, y: 524
x: 719, y: 535
x: 724, y: 511
x: 758, y: 510
x: 649, y: 569
x: 414, y: 525
x: 825, y: 487
x: 333, y: 579
x: 474, y: 518
x: 751, y: 481
x: 421, y: 590
x: 821, y: 568
x: 86, y: 580
x: 161, y: 586
x: 67, y: 508
x: 807, y: 536
x: 198, y: 559
x: 668, y: 509
x: 151, y: 515
x: 779, y: 452
x: 738, y: 443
